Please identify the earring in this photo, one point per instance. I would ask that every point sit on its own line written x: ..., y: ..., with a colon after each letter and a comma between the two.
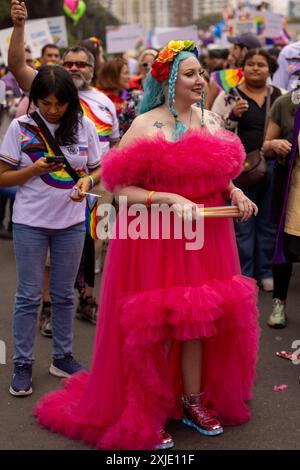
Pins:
x: 202, y: 103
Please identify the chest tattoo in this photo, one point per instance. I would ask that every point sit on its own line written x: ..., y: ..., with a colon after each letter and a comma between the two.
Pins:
x: 159, y: 125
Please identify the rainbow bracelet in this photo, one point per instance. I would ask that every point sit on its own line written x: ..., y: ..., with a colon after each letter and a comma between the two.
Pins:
x: 92, y: 181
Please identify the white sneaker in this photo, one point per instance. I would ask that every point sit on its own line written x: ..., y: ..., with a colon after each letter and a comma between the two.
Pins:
x: 268, y: 284
x: 278, y: 318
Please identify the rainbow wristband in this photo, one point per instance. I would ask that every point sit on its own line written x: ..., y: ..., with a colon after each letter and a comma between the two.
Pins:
x: 92, y: 181
x: 149, y: 201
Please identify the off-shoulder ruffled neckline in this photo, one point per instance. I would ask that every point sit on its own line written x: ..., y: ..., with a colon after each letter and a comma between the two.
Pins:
x: 231, y: 137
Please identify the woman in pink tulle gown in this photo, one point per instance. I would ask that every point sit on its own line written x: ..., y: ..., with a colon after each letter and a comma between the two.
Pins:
x: 177, y: 328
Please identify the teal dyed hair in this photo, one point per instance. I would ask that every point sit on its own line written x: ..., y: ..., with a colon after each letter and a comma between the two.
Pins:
x: 154, y: 93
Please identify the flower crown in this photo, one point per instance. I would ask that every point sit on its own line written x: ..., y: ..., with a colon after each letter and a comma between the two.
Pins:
x: 162, y: 65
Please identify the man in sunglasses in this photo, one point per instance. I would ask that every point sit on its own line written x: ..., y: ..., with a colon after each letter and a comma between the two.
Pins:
x: 80, y: 63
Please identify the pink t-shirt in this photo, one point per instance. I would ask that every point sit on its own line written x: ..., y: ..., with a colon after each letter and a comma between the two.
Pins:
x: 43, y: 201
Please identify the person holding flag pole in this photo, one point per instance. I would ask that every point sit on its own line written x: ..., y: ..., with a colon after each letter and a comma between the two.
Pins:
x: 177, y: 333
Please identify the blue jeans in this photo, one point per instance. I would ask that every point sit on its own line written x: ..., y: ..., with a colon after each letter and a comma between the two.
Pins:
x: 5, y: 194
x: 9, y: 191
x: 256, y: 237
x: 31, y: 245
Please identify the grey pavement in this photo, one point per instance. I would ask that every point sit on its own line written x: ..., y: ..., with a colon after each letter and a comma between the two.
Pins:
x: 275, y: 422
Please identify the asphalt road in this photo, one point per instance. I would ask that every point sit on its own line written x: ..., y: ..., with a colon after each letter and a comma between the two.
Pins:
x: 275, y: 422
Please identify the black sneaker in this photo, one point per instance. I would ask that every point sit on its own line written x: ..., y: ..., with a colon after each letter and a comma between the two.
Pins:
x: 65, y: 367
x: 21, y: 384
x: 45, y: 325
x: 87, y: 309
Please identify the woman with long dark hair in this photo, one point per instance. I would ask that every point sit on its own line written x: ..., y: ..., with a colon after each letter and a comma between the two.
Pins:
x: 46, y: 214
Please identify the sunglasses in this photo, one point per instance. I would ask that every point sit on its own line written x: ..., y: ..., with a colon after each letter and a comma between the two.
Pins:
x: 80, y: 65
x: 145, y: 65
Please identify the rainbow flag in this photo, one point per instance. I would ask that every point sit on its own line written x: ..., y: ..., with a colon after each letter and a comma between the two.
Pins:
x: 103, y: 129
x: 91, y: 216
x: 227, y: 79
x: 260, y: 24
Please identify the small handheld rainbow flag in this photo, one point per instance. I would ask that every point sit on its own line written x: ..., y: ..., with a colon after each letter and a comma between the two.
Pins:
x: 91, y: 215
x: 227, y: 79
x: 259, y: 23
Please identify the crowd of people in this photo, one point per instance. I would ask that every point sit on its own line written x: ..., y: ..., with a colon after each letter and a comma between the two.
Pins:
x: 167, y: 132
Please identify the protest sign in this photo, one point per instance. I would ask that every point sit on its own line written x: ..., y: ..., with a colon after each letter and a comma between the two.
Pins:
x: 58, y: 30
x: 124, y: 38
x: 164, y: 35
x: 245, y: 26
x: 274, y: 24
x: 5, y: 35
x: 37, y: 34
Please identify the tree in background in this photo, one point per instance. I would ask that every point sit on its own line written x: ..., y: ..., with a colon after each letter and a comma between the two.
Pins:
x: 205, y: 22
x: 5, y: 14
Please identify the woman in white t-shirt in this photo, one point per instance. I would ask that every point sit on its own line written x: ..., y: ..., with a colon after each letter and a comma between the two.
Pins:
x: 45, y: 215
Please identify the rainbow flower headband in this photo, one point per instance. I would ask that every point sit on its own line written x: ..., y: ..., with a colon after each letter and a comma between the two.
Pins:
x: 162, y: 65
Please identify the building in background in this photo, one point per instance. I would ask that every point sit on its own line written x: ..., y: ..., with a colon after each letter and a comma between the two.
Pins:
x: 294, y: 9
x: 147, y: 12
x: 162, y: 13
x: 206, y: 7
x: 167, y: 13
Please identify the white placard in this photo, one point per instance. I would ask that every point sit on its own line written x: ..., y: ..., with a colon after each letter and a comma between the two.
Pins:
x: 2, y: 92
x: 124, y: 38
x: 5, y: 35
x: 247, y: 26
x: 223, y: 42
x: 37, y: 33
x: 58, y: 30
x: 162, y: 36
x: 273, y: 24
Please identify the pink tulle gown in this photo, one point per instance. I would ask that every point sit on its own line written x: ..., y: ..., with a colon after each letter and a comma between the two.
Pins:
x: 154, y: 291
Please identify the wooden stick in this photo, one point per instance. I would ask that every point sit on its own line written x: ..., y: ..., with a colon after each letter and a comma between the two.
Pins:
x: 91, y: 194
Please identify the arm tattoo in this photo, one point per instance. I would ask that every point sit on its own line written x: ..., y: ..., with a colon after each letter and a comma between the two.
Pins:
x: 159, y: 125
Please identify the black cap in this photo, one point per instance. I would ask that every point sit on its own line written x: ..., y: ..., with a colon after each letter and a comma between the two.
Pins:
x: 249, y: 40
